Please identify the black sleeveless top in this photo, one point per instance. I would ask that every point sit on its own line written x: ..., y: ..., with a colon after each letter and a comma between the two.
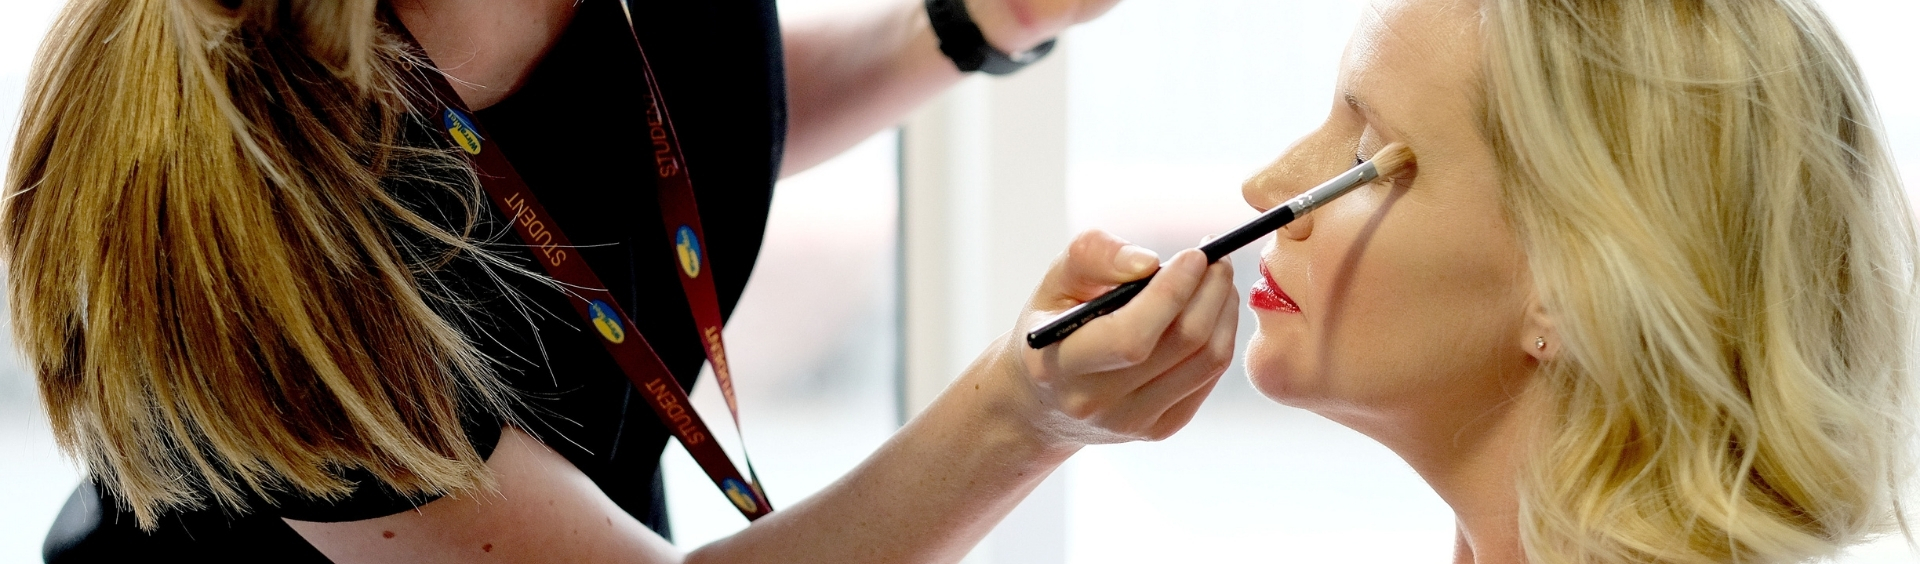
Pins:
x: 569, y: 131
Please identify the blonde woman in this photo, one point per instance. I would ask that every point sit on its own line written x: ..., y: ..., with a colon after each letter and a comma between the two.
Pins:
x: 1647, y: 295
x: 275, y: 319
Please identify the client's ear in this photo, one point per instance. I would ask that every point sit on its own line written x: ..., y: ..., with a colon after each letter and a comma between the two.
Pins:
x: 1538, y: 337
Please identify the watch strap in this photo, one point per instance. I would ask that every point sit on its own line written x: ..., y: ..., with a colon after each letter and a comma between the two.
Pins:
x: 962, y: 41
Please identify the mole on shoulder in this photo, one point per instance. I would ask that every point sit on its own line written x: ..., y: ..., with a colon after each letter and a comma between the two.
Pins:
x: 486, y: 547
x: 387, y: 534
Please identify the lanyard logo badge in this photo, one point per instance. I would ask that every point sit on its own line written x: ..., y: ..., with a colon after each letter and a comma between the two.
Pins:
x: 461, y: 128
x: 606, y: 321
x: 689, y: 248
x: 642, y: 366
x: 741, y: 496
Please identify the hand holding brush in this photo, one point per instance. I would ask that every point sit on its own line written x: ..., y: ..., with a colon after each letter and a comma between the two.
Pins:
x: 1384, y: 164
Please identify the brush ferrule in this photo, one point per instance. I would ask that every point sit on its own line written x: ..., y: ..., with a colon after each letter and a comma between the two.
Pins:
x: 1327, y: 191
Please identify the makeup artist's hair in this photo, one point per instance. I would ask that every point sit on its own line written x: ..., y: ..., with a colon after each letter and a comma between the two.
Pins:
x: 1716, y: 228
x: 203, y: 262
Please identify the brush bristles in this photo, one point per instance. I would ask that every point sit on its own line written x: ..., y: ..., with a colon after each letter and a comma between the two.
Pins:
x: 1392, y: 159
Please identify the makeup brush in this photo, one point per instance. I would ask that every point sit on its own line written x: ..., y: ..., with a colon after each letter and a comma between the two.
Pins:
x: 1388, y: 162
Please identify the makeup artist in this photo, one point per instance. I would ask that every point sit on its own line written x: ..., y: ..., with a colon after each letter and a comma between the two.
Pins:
x: 291, y: 296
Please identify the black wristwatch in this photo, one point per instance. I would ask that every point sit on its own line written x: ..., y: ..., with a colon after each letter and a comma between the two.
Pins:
x: 962, y: 41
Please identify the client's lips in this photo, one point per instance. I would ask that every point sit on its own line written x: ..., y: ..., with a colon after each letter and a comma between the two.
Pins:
x: 1267, y: 295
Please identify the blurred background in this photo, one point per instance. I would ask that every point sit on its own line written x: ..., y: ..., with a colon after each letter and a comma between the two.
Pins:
x: 1167, y: 105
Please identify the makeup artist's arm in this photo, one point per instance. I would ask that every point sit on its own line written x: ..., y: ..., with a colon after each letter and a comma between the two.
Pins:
x: 855, y: 71
x: 927, y: 495
x: 941, y: 483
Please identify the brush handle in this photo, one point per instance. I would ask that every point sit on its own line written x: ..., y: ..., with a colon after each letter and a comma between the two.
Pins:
x: 1252, y: 231
x: 1073, y: 319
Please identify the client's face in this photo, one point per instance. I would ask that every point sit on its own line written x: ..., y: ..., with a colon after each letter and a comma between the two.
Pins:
x: 1407, y: 298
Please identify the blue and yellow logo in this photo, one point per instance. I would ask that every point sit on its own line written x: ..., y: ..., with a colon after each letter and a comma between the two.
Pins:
x: 606, y: 321
x: 463, y: 131
x: 689, y: 247
x: 741, y: 496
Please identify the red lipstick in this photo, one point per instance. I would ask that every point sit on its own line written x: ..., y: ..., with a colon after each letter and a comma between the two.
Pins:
x: 1267, y: 294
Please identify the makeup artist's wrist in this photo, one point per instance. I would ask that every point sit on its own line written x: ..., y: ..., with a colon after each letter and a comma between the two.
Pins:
x: 1007, y: 410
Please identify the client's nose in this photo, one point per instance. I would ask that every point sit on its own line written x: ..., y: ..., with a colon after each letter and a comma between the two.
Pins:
x: 1272, y: 186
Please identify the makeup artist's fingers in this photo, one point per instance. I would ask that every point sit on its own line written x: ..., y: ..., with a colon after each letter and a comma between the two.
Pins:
x: 1095, y: 262
x: 1190, y: 332
x: 1181, y: 359
x: 1178, y: 416
x: 1119, y: 413
x: 1195, y: 372
x: 1183, y: 407
x: 1132, y: 334
x: 1137, y: 415
x: 1195, y: 326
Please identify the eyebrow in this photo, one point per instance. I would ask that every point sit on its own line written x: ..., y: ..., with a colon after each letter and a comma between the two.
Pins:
x: 1365, y: 109
x: 1352, y: 100
x: 1368, y: 114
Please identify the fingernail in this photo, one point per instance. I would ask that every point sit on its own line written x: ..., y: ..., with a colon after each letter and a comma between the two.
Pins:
x: 1134, y: 259
x: 1194, y: 256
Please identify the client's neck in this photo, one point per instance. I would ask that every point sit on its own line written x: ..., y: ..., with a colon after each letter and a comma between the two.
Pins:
x: 1472, y: 457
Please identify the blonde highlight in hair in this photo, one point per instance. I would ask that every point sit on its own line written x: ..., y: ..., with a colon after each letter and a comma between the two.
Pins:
x: 1719, y: 235
x: 202, y: 258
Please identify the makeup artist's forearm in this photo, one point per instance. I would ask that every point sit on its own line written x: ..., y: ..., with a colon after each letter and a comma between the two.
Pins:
x: 853, y: 73
x: 928, y: 495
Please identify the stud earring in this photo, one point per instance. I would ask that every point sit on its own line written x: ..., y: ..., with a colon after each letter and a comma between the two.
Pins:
x: 1540, y: 343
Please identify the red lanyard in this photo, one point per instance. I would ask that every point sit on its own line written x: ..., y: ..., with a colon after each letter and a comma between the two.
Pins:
x: 596, y: 306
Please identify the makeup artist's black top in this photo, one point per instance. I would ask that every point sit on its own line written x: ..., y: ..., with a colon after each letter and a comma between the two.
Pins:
x: 570, y: 130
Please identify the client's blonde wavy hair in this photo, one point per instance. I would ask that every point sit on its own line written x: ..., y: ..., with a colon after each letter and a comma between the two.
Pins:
x: 1719, y: 236
x: 203, y: 262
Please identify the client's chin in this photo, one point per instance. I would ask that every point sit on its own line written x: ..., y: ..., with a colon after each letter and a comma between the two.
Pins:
x: 1280, y: 370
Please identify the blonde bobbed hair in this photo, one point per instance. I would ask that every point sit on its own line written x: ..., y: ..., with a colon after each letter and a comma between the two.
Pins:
x: 1718, y: 235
